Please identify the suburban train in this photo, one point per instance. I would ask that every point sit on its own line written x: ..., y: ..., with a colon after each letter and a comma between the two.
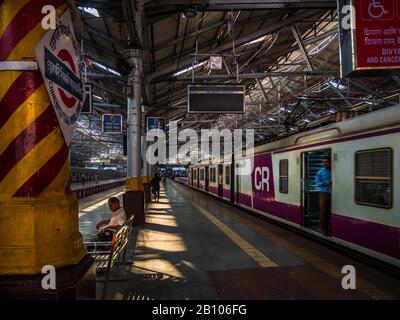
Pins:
x: 90, y: 174
x: 365, y: 165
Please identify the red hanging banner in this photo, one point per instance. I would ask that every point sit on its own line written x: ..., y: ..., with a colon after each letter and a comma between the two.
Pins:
x: 370, y: 43
x: 377, y: 34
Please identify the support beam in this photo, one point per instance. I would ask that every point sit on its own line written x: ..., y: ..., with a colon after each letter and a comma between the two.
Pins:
x: 261, y: 75
x: 213, y: 26
x: 163, y: 7
x: 264, y: 94
x: 105, y: 36
x: 288, y: 48
x: 105, y: 76
x: 300, y: 43
x: 108, y: 105
x: 242, y: 40
x: 109, y: 89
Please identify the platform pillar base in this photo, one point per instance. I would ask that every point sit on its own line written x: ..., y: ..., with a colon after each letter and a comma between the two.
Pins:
x: 147, y: 192
x: 134, y: 204
x: 77, y: 282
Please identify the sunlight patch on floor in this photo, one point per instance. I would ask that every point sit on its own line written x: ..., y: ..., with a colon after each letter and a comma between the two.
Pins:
x: 158, y: 240
x: 161, y: 219
x: 157, y: 266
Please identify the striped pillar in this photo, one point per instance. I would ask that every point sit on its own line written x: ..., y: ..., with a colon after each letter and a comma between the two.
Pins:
x: 38, y: 212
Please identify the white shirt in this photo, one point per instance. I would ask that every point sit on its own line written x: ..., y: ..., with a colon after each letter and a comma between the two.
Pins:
x: 118, y: 217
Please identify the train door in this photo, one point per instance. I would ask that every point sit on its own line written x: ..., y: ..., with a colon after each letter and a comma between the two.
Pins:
x: 237, y: 186
x: 232, y: 180
x: 206, y: 178
x: 191, y: 177
x: 220, y: 180
x: 311, y: 163
x: 198, y: 178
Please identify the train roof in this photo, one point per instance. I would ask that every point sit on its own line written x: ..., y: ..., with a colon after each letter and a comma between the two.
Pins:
x: 384, y: 118
x: 376, y: 120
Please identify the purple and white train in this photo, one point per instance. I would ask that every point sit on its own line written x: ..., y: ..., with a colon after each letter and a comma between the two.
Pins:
x: 365, y: 153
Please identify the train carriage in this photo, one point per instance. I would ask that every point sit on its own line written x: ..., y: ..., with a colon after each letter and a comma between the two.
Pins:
x: 279, y: 182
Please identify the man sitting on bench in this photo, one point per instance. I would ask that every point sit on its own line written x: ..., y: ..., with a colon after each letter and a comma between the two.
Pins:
x: 105, y: 228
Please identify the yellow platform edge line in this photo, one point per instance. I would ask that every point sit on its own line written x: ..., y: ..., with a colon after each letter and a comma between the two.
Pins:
x: 261, y: 259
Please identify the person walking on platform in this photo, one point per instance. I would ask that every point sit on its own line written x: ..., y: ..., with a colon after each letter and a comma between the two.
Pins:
x: 155, y: 186
x: 83, y: 178
x: 323, y: 181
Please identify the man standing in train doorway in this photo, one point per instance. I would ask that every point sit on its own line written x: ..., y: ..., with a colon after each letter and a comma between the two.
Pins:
x: 323, y: 180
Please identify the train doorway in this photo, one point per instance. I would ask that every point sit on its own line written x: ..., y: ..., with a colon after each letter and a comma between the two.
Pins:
x: 237, y: 186
x: 191, y: 177
x: 207, y: 180
x: 220, y: 180
x: 312, y: 162
x: 232, y: 183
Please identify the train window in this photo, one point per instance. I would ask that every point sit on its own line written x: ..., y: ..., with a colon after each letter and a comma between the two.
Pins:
x: 212, y: 174
x: 201, y: 174
x: 284, y: 176
x: 373, y: 178
x: 228, y: 175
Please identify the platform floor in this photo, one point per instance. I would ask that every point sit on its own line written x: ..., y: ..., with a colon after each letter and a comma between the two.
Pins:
x: 195, y: 247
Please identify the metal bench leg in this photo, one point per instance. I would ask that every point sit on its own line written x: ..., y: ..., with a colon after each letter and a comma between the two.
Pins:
x: 118, y: 263
x: 103, y: 293
x: 124, y: 256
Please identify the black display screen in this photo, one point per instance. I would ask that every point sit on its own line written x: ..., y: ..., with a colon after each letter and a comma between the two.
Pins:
x: 216, y: 98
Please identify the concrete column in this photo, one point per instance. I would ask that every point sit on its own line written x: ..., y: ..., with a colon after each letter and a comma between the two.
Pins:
x: 38, y: 211
x: 134, y: 194
x: 146, y: 179
x: 134, y: 120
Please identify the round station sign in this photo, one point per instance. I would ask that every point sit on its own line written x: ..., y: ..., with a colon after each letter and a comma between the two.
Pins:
x: 58, y: 58
x: 68, y: 100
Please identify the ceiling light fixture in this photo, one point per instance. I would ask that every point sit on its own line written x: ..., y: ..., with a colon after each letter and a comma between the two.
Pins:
x: 189, y: 13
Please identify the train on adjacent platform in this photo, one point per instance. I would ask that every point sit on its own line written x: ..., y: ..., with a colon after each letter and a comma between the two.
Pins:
x: 90, y: 174
x: 365, y: 153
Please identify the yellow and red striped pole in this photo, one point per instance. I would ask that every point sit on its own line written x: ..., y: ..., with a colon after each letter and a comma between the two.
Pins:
x: 38, y: 212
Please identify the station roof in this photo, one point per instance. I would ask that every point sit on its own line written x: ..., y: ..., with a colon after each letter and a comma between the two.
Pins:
x: 285, y: 52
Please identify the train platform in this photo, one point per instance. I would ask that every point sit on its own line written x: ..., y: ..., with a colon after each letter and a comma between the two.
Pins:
x: 90, y: 184
x: 83, y: 190
x: 194, y: 247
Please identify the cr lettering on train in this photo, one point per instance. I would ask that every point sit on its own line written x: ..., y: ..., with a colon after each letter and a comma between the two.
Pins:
x: 261, y: 178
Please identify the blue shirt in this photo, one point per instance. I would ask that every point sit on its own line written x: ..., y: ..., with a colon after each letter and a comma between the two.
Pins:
x: 322, y: 180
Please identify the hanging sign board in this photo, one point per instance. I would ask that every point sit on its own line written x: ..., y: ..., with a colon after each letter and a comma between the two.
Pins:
x: 87, y: 107
x: 216, y: 98
x: 112, y: 123
x: 155, y: 124
x: 57, y: 55
x: 371, y: 42
x: 215, y: 62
